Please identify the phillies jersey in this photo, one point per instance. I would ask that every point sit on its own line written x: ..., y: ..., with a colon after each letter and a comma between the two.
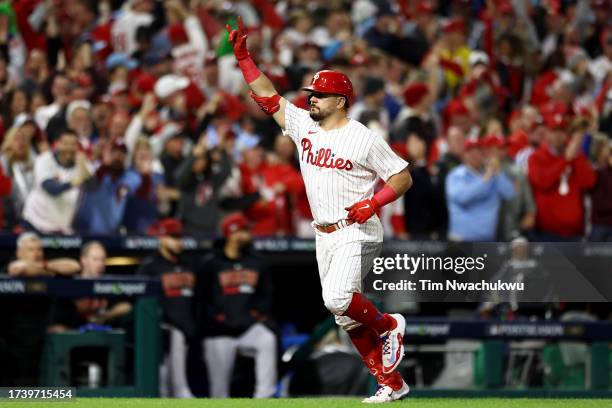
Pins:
x: 123, y: 31
x: 340, y: 167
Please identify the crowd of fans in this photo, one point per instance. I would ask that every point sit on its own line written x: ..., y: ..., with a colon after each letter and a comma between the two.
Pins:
x: 116, y: 114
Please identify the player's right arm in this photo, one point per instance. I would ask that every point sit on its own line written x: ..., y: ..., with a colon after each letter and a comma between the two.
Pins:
x: 263, y: 91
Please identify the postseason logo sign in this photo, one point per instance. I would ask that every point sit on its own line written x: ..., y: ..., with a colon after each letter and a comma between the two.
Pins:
x: 127, y: 289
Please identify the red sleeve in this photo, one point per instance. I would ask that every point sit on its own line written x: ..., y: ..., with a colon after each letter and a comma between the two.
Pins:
x: 293, y: 182
x: 545, y: 174
x: 6, y: 184
x: 397, y: 222
x: 246, y: 181
x: 31, y: 38
x: 584, y: 172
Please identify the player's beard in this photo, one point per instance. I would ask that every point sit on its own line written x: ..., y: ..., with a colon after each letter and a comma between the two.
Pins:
x: 318, y: 114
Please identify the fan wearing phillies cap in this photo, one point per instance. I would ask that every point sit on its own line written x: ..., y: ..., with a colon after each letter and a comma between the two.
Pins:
x: 474, y: 193
x: 106, y: 194
x: 416, y: 116
x: 178, y: 280
x: 560, y: 175
x: 341, y: 161
x: 234, y: 297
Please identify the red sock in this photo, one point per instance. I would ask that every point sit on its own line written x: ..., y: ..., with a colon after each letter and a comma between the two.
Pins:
x: 365, y: 340
x: 394, y: 380
x: 364, y: 312
x: 367, y: 343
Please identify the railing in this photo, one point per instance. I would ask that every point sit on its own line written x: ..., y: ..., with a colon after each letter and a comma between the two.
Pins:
x: 146, y: 321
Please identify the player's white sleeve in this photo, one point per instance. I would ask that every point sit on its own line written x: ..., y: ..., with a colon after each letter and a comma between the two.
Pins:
x: 383, y: 160
x: 295, y: 119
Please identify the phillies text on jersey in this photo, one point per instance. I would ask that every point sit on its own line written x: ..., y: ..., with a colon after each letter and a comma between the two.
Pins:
x: 340, y: 167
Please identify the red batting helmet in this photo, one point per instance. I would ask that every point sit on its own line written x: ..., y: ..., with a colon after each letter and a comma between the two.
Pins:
x: 331, y: 82
x: 232, y: 223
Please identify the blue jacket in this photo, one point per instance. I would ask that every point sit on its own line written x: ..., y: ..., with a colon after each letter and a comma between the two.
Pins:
x: 103, y: 203
x: 473, y: 204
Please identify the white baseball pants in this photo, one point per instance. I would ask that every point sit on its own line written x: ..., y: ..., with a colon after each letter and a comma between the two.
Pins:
x: 220, y: 353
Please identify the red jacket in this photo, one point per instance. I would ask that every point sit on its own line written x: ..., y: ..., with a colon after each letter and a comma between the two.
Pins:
x: 559, y: 214
x: 270, y: 218
x: 6, y: 185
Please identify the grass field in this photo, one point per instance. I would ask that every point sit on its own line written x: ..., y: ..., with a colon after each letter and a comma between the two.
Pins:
x: 316, y: 403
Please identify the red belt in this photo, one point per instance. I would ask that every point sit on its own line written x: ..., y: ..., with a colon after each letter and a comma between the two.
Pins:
x: 333, y: 227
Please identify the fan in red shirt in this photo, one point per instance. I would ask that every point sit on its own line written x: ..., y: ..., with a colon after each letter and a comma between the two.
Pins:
x: 275, y: 182
x: 560, y: 174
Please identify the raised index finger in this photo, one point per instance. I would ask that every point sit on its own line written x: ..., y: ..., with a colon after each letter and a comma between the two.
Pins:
x: 240, y: 25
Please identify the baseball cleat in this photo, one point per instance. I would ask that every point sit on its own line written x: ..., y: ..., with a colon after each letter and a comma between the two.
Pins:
x: 386, y: 394
x: 393, y: 345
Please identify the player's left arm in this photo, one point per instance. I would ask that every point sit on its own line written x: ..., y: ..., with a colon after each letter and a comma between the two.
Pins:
x: 399, y: 183
x: 389, y: 167
x: 395, y: 187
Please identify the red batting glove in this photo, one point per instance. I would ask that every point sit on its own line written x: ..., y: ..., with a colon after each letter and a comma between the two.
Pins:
x: 362, y: 211
x: 238, y: 39
x: 269, y: 104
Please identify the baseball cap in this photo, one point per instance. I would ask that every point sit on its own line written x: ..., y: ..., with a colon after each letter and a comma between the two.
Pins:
x: 457, y: 107
x: 472, y: 143
x: 74, y: 105
x: 494, y: 140
x: 415, y: 92
x: 505, y: 7
x: 117, y: 88
x: 117, y: 59
x: 83, y: 80
x: 168, y: 227
x: 454, y: 24
x: 425, y: 7
x: 169, y: 84
x: 555, y: 120
x: 145, y: 82
x: 232, y: 223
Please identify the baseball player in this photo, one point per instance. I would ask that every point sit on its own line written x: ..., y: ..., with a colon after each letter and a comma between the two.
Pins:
x: 340, y: 161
